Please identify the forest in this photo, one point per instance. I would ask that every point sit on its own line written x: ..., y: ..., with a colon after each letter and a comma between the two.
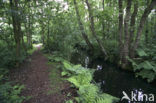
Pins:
x: 77, y: 51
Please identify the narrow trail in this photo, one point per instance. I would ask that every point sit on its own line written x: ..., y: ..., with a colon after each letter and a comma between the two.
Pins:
x: 34, y: 74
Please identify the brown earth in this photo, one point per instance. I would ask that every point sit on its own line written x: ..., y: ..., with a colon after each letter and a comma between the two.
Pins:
x: 34, y: 74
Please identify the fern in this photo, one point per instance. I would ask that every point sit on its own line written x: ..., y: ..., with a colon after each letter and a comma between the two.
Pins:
x: 106, y: 98
x: 81, y: 78
x: 88, y: 93
x: 91, y: 94
x: 147, y: 74
x: 10, y: 94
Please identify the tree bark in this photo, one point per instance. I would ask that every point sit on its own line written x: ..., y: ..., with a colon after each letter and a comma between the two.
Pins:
x: 84, y: 35
x: 103, y: 4
x: 120, y: 27
x: 141, y: 25
x: 126, y: 32
x: 146, y: 32
x: 29, y: 33
x: 42, y: 29
x: 91, y: 18
x: 132, y: 25
x: 23, y: 43
x: 48, y: 34
x: 103, y: 24
x: 16, y: 26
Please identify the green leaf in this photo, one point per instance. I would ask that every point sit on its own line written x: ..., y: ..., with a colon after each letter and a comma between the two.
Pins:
x: 146, y: 74
x: 69, y: 101
x: 64, y: 73
x: 146, y: 65
x: 106, y: 98
x: 67, y: 65
x: 141, y: 52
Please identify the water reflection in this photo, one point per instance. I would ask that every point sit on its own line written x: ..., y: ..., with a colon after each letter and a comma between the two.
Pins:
x: 86, y: 62
x: 103, y: 82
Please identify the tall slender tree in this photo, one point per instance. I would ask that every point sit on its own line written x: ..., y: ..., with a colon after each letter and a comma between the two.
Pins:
x: 120, y: 2
x: 141, y: 25
x: 16, y: 25
x: 132, y: 24
x: 84, y: 35
x: 126, y: 32
x: 91, y: 18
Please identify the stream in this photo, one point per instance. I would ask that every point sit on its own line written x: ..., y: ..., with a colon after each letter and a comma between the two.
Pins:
x: 115, y: 81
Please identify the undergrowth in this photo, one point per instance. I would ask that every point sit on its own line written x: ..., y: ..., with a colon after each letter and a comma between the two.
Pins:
x: 10, y: 92
x: 144, y: 65
x: 55, y: 79
x: 82, y: 79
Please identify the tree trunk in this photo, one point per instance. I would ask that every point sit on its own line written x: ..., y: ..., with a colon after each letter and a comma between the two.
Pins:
x: 91, y: 18
x: 84, y: 35
x: 42, y: 29
x: 103, y: 4
x: 29, y: 32
x: 126, y: 32
x: 132, y: 25
x: 23, y: 44
x: 28, y: 29
x: 120, y: 27
x: 43, y: 38
x: 16, y: 26
x: 103, y: 24
x: 146, y: 32
x: 141, y: 25
x: 48, y: 35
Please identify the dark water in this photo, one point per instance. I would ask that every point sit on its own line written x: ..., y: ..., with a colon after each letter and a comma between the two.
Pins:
x: 114, y: 81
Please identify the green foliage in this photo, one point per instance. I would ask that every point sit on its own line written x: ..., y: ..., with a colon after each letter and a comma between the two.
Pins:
x: 145, y: 65
x: 55, y: 58
x: 62, y: 37
x: 141, y: 52
x: 55, y: 80
x: 69, y: 101
x: 10, y: 94
x: 36, y: 39
x: 150, y: 75
x: 81, y: 78
x: 7, y: 57
x: 112, y: 49
x: 57, y: 27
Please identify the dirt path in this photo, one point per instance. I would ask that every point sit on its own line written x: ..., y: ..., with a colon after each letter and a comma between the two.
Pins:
x: 35, y: 75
